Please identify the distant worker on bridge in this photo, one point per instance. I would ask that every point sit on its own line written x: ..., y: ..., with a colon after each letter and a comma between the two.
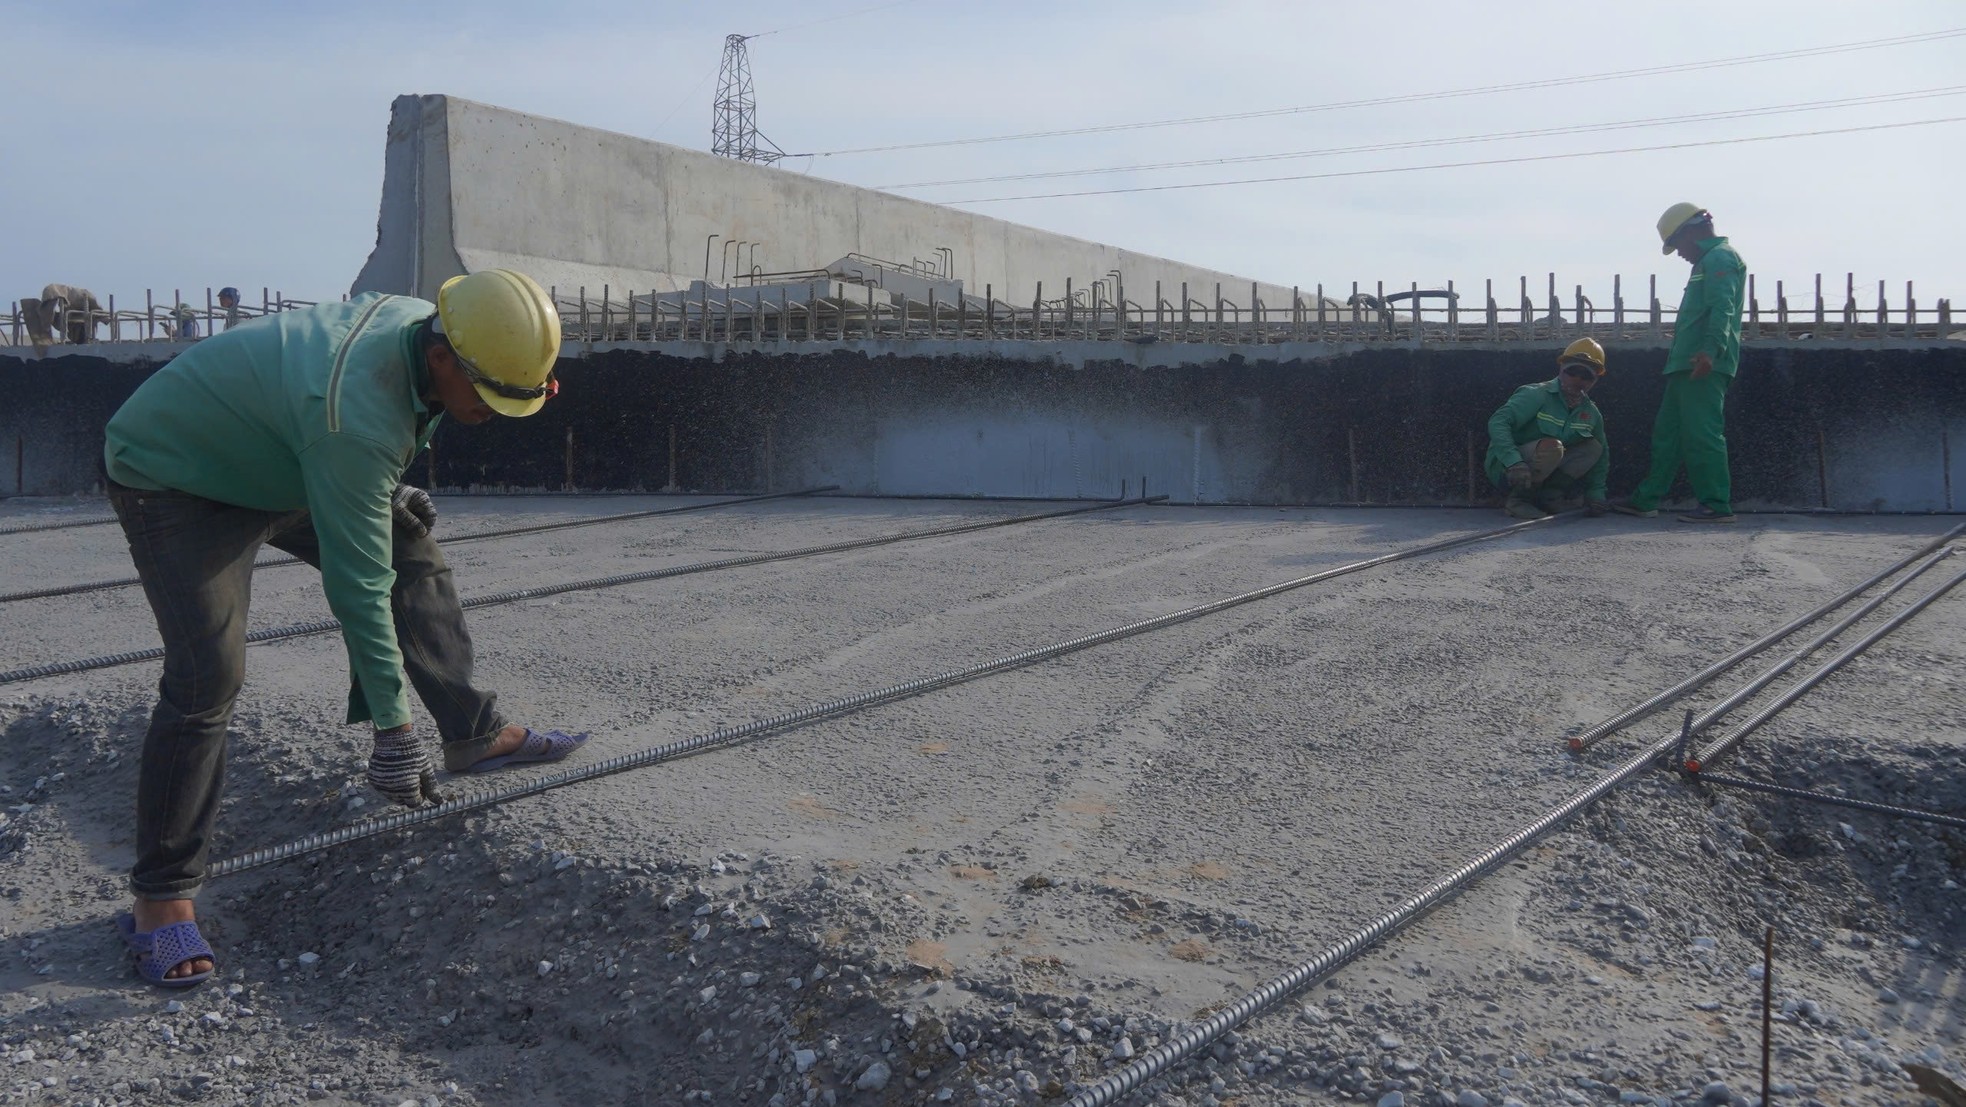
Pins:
x: 1546, y: 446
x: 184, y: 322
x: 62, y: 312
x: 295, y: 432
x: 1690, y: 430
x: 228, y: 298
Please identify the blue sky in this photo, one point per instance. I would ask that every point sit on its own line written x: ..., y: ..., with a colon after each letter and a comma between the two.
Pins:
x: 201, y: 144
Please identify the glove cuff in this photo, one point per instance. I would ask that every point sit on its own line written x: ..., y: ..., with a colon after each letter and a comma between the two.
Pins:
x: 398, y: 762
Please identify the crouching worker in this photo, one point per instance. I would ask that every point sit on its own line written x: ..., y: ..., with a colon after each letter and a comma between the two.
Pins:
x: 295, y: 433
x: 1546, y: 446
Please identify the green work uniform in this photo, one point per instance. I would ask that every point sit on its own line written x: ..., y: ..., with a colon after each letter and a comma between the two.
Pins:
x: 319, y: 409
x: 1691, y: 429
x: 1538, y: 411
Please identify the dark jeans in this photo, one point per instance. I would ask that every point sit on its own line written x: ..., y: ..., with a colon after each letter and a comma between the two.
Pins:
x: 196, y: 560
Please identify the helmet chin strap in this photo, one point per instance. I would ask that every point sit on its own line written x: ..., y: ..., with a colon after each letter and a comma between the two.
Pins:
x: 477, y: 376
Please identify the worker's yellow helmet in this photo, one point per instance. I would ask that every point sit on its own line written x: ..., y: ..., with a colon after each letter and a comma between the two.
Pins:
x: 506, y: 333
x: 1584, y: 351
x: 1676, y: 216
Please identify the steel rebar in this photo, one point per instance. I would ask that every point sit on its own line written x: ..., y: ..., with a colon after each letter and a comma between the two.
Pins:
x: 1591, y: 736
x: 323, y: 626
x: 504, y: 532
x: 1705, y: 720
x: 1197, y: 1037
x: 1767, y: 1006
x: 1796, y: 691
x: 1266, y: 997
x: 1833, y: 800
x: 29, y: 528
x: 726, y: 735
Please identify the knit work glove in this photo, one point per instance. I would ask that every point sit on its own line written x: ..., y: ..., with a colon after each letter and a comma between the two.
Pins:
x: 1519, y: 478
x: 412, y: 510
x: 399, y: 768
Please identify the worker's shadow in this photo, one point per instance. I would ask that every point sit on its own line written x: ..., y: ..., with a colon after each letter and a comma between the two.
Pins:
x: 74, y: 765
x: 68, y: 836
x: 66, y: 844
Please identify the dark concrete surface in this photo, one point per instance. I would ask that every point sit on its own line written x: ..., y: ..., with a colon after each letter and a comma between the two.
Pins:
x: 1841, y: 425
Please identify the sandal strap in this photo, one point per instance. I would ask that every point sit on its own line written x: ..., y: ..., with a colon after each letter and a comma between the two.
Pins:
x: 544, y: 743
x: 172, y: 945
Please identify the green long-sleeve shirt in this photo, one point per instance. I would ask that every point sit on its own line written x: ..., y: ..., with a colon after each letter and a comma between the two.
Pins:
x: 1538, y: 411
x: 319, y: 409
x: 1709, y: 319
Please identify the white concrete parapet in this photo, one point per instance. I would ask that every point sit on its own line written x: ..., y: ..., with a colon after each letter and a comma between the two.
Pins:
x: 469, y: 186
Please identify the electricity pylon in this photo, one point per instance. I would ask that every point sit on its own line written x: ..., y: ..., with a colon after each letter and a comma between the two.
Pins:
x: 734, y: 119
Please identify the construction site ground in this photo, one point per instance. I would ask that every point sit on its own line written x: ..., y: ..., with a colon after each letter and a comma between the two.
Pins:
x: 1000, y: 891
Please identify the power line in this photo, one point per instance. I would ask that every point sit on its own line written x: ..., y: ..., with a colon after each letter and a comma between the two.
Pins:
x: 775, y: 32
x: 1493, y: 136
x: 1458, y: 164
x: 688, y: 96
x: 831, y: 18
x: 1415, y: 97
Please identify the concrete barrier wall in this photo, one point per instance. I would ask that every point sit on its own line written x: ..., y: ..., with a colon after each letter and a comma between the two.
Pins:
x: 52, y: 414
x: 468, y: 186
x: 1838, y: 427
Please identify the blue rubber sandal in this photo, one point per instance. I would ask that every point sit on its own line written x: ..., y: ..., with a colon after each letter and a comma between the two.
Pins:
x: 539, y: 746
x: 165, y: 948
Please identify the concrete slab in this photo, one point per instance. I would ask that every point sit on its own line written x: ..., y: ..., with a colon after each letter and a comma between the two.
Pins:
x: 1118, y: 839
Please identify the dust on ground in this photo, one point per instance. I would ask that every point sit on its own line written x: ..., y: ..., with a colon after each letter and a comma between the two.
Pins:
x: 997, y: 892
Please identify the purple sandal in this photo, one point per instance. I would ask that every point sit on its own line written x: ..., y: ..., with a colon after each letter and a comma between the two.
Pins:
x: 539, y: 746
x: 165, y: 948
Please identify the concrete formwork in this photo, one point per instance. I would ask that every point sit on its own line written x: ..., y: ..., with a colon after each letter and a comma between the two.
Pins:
x: 1847, y: 427
x: 469, y: 186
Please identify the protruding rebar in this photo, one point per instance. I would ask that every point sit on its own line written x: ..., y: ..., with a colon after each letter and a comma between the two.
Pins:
x: 1828, y: 798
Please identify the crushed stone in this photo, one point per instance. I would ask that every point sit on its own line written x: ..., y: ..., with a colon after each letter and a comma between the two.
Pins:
x: 998, y: 893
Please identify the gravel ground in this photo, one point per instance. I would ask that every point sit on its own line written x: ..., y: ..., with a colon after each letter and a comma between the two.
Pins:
x: 997, y: 892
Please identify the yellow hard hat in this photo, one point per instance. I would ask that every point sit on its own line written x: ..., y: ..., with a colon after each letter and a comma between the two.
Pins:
x: 1585, y: 350
x: 1676, y: 216
x: 506, y: 334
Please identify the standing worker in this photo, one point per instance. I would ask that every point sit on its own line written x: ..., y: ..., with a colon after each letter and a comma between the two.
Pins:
x: 228, y: 298
x: 295, y: 432
x: 1549, y: 439
x: 1690, y: 430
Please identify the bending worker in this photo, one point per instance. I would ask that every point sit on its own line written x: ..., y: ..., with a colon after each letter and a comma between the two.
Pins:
x: 295, y: 433
x: 1690, y: 429
x: 1546, y: 446
x: 63, y: 313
